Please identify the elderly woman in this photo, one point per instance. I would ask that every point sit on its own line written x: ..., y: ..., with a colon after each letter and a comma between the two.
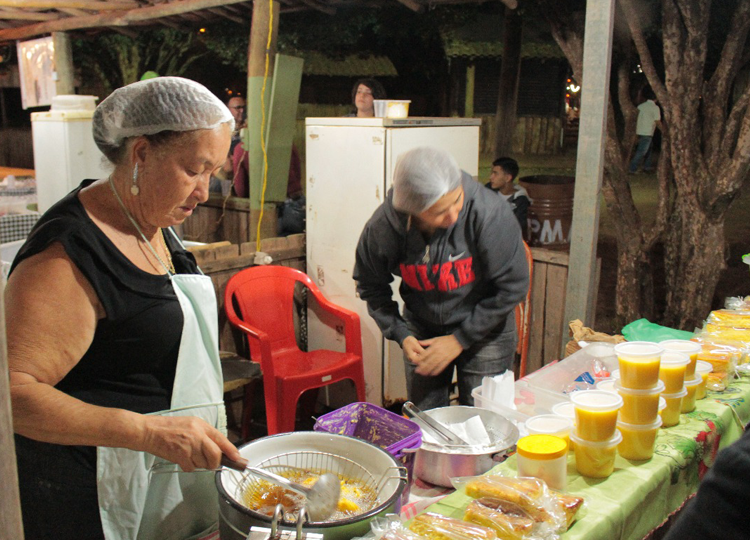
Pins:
x: 458, y: 250
x: 364, y: 94
x: 112, y: 332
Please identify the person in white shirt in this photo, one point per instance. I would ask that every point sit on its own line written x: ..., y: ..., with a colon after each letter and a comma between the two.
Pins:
x: 649, y: 118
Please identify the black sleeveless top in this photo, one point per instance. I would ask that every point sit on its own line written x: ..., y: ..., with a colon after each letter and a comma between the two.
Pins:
x: 132, y: 360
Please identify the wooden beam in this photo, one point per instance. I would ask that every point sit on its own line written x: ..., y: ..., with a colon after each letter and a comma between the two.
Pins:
x: 121, y: 18
x: 320, y: 7
x: 584, y: 232
x: 92, y: 5
x: 63, y: 64
x: 132, y: 34
x: 227, y: 15
x: 412, y: 5
x: 171, y: 24
x: 20, y: 15
x: 74, y: 12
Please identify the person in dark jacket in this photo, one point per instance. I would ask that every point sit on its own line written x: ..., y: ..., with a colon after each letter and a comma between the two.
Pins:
x: 461, y: 261
x: 502, y: 176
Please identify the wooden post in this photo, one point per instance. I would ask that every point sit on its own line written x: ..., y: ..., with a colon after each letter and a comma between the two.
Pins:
x: 597, y: 56
x: 471, y: 71
x: 10, y: 505
x: 63, y: 63
x: 510, y: 73
x: 258, y: 99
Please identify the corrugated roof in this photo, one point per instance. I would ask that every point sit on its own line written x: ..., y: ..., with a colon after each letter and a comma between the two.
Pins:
x: 473, y: 49
x: 350, y: 66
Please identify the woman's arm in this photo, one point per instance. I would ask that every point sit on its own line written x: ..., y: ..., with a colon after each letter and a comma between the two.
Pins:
x: 51, y: 316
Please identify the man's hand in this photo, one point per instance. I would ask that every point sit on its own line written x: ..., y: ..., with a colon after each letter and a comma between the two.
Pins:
x: 438, y: 353
x: 412, y: 349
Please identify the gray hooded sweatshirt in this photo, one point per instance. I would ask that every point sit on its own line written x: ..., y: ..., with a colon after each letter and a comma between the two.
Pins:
x: 464, y: 281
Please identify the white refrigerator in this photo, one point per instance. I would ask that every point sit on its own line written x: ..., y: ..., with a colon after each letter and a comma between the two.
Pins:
x: 349, y: 168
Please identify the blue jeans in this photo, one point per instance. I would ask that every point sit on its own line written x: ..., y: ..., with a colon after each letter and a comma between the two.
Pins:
x: 486, y: 358
x: 641, y: 151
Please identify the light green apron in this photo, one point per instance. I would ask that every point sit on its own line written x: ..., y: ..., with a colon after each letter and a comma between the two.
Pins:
x: 137, y: 505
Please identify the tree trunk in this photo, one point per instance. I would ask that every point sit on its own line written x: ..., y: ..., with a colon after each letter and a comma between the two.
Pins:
x: 510, y: 70
x: 695, y: 255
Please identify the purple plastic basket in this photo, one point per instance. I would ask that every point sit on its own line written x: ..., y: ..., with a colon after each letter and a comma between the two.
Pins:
x: 397, y: 435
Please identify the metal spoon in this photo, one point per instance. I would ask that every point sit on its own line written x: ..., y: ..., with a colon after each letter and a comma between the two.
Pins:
x: 322, y: 497
x: 434, y: 426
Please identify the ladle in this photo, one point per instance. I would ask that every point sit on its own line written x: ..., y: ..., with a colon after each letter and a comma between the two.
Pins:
x: 322, y: 497
x: 434, y: 426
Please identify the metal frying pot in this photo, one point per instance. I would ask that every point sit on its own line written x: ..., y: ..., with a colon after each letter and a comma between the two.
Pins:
x: 235, y: 519
x: 437, y: 464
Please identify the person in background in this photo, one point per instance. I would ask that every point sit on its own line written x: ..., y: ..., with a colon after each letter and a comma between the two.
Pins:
x: 649, y: 118
x: 364, y: 92
x: 503, y: 174
x: 112, y: 333
x: 463, y: 270
x: 237, y: 106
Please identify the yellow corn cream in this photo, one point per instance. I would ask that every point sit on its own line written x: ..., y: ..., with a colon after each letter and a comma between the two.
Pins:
x: 702, y: 368
x: 638, y: 440
x: 690, y: 348
x: 639, y: 364
x: 670, y: 414
x: 672, y: 371
x: 596, y: 414
x: 691, y: 386
x: 596, y: 459
x: 640, y: 406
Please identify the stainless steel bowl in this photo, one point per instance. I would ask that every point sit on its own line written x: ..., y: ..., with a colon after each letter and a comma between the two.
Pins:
x: 437, y: 464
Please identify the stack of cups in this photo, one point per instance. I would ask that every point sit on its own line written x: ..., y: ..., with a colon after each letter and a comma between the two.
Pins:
x: 692, y: 380
x: 595, y: 438
x: 703, y: 368
x: 639, y: 387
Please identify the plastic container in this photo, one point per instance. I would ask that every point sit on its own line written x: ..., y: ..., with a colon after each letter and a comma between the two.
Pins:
x: 544, y: 457
x: 703, y: 369
x: 690, y: 348
x: 639, y: 364
x: 607, y: 385
x: 670, y: 414
x: 399, y: 436
x: 691, y: 387
x: 615, y: 374
x: 550, y: 424
x: 566, y: 409
x: 596, y: 459
x: 391, y: 108
x: 638, y: 440
x: 596, y: 414
x: 528, y: 400
x: 640, y: 406
x: 672, y: 370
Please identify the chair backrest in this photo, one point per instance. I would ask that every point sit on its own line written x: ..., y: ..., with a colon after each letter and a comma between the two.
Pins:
x: 264, y: 299
x: 523, y: 317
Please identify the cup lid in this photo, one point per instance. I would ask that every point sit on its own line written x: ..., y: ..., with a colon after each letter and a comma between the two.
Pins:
x: 695, y: 380
x: 675, y: 358
x: 636, y: 349
x: 548, y: 424
x: 662, y: 403
x: 614, y: 441
x: 565, y: 408
x: 704, y: 367
x: 658, y: 389
x: 681, y: 393
x: 606, y: 385
x: 615, y: 374
x: 681, y: 345
x: 656, y: 424
x: 542, y: 447
x: 597, y: 400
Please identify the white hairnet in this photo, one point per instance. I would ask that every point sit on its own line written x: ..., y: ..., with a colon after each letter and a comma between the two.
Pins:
x: 422, y: 176
x: 155, y: 105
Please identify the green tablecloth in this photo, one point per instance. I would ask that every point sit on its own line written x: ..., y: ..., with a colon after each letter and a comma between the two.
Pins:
x: 639, y: 496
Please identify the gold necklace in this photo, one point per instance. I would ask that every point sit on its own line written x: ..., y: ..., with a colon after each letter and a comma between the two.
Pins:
x: 166, y: 250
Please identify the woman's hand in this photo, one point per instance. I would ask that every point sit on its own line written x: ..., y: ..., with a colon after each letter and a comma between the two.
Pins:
x: 439, y: 352
x: 186, y: 440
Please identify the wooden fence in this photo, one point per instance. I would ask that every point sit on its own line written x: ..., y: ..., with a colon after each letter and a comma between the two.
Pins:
x: 533, y: 135
x: 228, y: 219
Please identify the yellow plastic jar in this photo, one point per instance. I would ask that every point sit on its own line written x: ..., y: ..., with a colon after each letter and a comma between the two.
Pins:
x: 596, y: 414
x: 703, y: 369
x: 596, y: 459
x: 544, y: 457
x: 640, y: 406
x: 691, y: 386
x: 672, y: 370
x: 639, y: 364
x: 670, y: 414
x: 690, y: 348
x: 638, y: 440
x: 550, y: 424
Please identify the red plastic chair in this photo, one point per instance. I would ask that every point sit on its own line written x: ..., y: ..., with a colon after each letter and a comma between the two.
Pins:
x: 264, y: 299
x: 523, y: 318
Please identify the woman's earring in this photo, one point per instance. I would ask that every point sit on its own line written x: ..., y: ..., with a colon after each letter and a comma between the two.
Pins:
x: 134, y: 190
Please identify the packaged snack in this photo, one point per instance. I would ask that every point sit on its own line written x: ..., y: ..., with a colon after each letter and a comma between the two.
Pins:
x: 507, y: 518
x: 728, y: 317
x: 437, y: 527
x: 570, y: 505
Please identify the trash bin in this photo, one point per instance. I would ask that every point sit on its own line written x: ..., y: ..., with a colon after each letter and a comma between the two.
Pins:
x: 550, y: 214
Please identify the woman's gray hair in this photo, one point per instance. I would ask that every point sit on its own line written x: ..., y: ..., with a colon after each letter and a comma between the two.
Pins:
x: 153, y: 106
x: 421, y: 177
